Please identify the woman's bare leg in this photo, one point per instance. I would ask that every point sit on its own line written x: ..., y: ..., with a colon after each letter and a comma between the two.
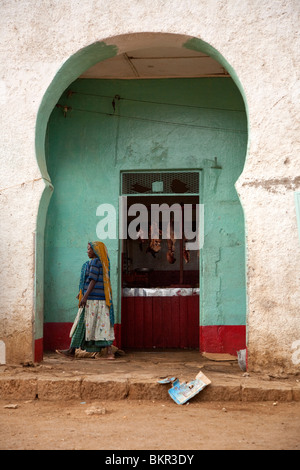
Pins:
x: 110, y: 354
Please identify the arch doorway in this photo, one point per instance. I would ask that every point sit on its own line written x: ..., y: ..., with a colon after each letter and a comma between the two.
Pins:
x: 143, y: 104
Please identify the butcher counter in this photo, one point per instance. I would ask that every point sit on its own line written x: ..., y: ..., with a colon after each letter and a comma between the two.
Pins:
x: 160, y: 317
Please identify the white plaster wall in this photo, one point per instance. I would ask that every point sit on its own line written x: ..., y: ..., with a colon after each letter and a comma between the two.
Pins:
x: 260, y: 40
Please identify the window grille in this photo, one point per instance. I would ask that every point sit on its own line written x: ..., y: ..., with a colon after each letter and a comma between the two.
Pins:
x: 160, y: 183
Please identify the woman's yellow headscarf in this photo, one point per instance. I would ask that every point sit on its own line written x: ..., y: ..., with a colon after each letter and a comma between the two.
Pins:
x: 100, y: 251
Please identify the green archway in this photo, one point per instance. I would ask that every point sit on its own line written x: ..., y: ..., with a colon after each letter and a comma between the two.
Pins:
x: 70, y: 71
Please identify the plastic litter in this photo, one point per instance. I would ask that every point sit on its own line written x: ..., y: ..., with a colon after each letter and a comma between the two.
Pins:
x: 242, y: 359
x: 166, y: 380
x: 183, y: 392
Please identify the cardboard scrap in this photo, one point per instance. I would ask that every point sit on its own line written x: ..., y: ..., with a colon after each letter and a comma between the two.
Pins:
x: 182, y: 392
x: 219, y: 356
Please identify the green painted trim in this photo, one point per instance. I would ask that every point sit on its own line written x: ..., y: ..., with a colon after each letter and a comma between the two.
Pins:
x: 39, y: 260
x: 69, y: 71
x: 199, y: 45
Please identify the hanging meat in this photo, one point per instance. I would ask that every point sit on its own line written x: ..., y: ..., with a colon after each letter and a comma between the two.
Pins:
x: 171, y: 246
x: 186, y: 253
x: 154, y: 243
x: 171, y: 251
x: 142, y: 237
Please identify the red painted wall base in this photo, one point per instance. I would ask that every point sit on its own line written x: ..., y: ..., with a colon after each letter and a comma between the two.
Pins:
x: 222, y: 338
x: 56, y: 336
x: 213, y: 338
x: 38, y: 350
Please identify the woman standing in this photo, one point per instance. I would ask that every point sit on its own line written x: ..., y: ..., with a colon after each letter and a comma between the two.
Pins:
x: 93, y: 328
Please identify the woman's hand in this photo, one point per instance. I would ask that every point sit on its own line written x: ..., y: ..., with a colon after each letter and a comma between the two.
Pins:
x: 86, y: 295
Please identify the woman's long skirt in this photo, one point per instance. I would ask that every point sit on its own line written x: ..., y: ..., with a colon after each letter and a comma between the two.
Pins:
x: 93, y: 330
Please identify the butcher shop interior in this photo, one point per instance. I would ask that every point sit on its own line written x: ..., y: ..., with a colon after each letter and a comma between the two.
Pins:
x: 160, y: 274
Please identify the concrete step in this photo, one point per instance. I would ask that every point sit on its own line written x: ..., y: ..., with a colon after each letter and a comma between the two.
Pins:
x: 136, y: 377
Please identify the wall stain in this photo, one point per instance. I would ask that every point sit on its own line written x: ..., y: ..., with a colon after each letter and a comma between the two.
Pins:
x: 272, y: 185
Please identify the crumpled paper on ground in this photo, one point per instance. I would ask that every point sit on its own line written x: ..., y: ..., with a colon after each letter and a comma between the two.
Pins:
x: 182, y: 392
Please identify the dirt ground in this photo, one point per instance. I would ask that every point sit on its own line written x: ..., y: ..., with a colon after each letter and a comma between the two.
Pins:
x: 138, y: 425
x: 145, y: 424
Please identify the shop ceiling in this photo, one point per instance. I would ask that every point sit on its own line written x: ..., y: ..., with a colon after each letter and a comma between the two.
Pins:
x: 160, y: 62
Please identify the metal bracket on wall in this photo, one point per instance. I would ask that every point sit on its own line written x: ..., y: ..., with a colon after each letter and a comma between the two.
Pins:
x: 64, y: 108
x: 216, y: 166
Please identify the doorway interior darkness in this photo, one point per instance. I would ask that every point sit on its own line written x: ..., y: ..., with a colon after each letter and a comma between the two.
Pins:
x: 160, y: 276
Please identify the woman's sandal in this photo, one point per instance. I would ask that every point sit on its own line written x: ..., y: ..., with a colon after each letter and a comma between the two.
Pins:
x: 65, y: 353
